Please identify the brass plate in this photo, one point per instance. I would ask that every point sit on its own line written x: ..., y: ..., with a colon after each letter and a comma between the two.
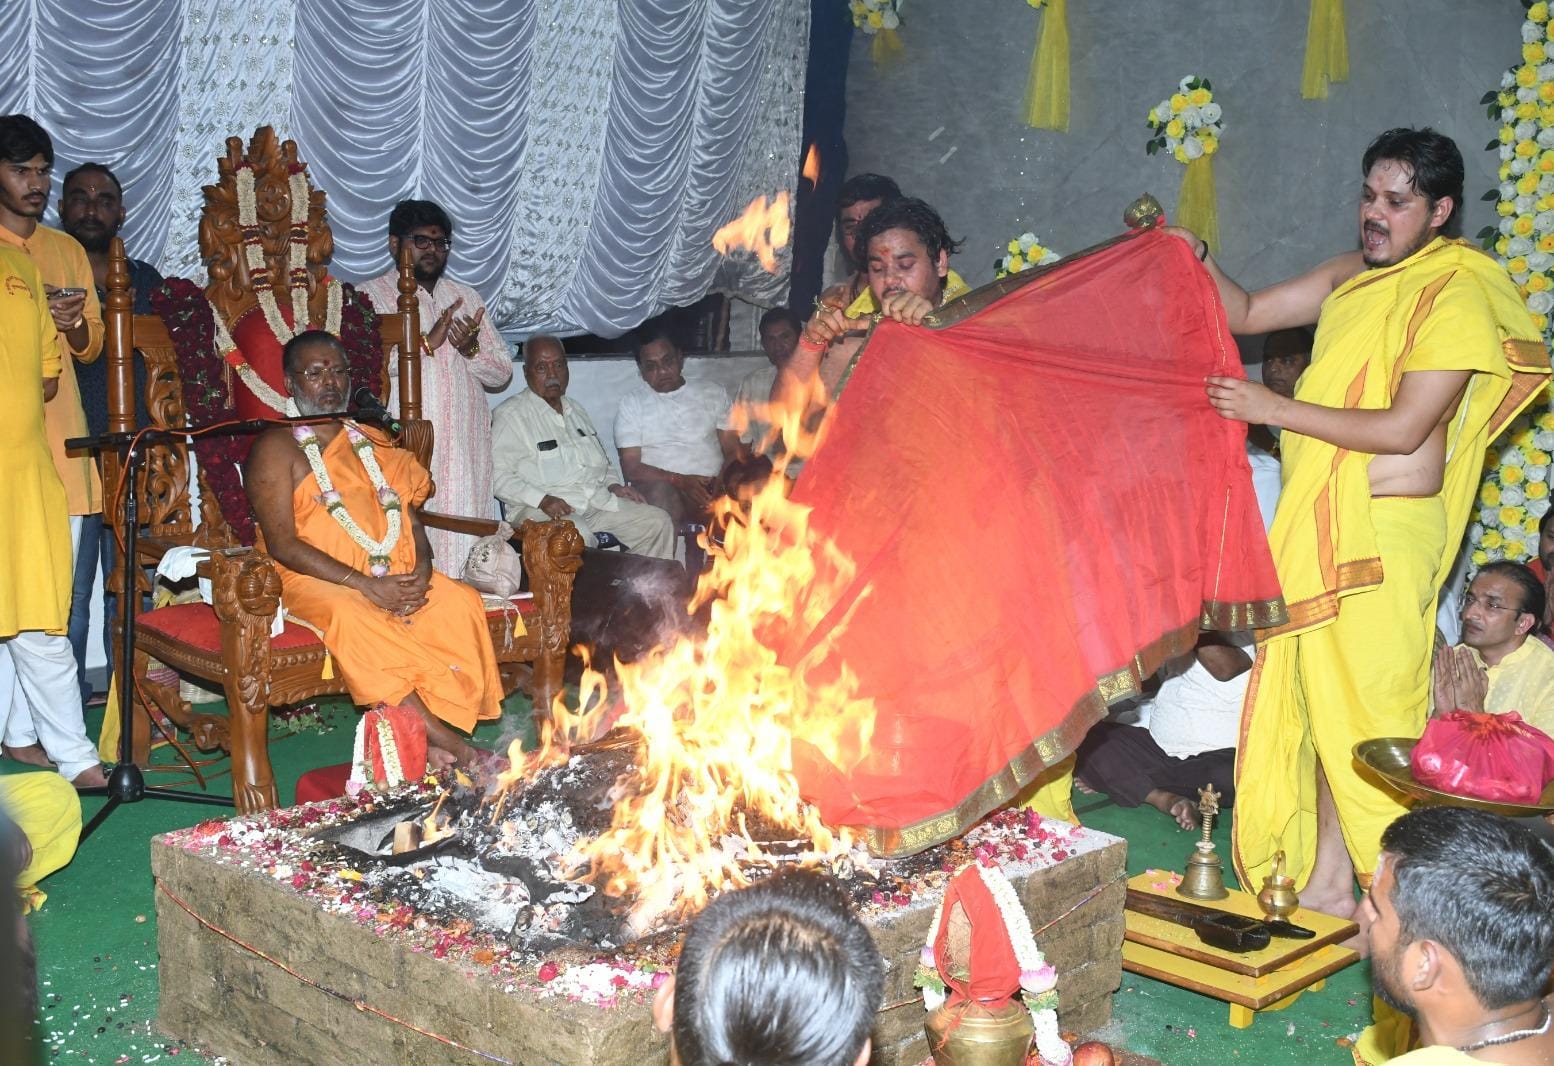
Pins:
x: 1389, y: 757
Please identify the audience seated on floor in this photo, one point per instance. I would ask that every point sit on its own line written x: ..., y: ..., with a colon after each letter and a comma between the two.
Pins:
x: 781, y: 973
x: 549, y: 462
x: 669, y: 431
x: 338, y: 512
x: 1184, y: 739
x: 1499, y: 666
x: 1461, y: 919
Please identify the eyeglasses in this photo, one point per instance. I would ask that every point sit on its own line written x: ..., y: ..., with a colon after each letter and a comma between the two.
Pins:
x: 1470, y: 600
x: 422, y: 243
x: 317, y: 373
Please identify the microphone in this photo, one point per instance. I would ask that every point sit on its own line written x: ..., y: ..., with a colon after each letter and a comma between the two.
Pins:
x: 369, y: 409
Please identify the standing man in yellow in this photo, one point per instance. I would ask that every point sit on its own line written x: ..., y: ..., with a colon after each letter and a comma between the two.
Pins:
x: 44, y: 726
x: 1424, y: 352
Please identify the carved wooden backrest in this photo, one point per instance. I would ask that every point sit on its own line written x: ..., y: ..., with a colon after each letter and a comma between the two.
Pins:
x: 166, y: 504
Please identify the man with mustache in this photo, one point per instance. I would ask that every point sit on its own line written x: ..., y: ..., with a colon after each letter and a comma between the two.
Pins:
x: 1499, y: 666
x: 399, y: 633
x: 91, y: 209
x: 549, y: 462
x: 463, y: 356
x: 1424, y: 352
x: 44, y: 726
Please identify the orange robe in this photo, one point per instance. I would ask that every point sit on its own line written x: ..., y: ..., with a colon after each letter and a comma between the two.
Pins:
x: 443, y: 651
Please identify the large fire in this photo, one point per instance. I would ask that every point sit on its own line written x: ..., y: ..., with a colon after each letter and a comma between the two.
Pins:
x: 714, y: 717
x: 763, y: 228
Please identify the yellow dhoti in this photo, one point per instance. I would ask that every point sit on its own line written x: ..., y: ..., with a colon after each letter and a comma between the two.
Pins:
x: 47, y: 810
x: 1360, y: 575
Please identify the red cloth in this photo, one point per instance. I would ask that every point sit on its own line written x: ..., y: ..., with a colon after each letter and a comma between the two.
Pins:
x: 327, y: 782
x: 261, y: 351
x: 1049, y: 475
x: 1495, y: 757
x: 993, y: 969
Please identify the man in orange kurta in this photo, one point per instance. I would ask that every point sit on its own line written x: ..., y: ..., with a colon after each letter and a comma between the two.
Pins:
x: 399, y: 633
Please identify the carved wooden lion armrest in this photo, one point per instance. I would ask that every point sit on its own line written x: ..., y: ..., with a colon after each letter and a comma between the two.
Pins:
x: 246, y: 593
x: 552, y: 554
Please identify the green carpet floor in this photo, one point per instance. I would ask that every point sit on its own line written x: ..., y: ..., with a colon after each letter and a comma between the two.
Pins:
x: 97, y: 957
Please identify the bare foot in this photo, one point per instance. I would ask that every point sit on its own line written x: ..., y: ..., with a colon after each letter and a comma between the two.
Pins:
x: 32, y: 755
x: 91, y: 777
x: 1361, y: 941
x: 1082, y: 788
x: 1179, y: 807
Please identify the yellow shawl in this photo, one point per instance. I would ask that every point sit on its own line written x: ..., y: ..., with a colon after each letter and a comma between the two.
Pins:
x: 1447, y: 307
x: 954, y: 286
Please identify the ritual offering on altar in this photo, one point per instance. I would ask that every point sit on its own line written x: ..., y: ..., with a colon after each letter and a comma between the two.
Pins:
x: 1496, y: 757
x: 989, y: 991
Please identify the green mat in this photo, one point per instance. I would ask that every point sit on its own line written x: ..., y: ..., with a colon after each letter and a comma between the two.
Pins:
x: 97, y: 958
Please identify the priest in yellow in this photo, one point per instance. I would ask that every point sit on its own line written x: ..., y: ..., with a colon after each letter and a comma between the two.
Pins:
x: 1424, y: 352
x: 339, y: 512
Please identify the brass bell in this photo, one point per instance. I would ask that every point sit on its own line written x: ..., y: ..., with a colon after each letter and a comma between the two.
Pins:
x: 1205, y: 874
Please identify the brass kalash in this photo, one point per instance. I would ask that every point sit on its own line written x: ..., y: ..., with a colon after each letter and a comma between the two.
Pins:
x: 1205, y: 874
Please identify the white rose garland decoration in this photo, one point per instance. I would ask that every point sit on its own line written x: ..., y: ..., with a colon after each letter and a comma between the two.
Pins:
x: 1025, y: 251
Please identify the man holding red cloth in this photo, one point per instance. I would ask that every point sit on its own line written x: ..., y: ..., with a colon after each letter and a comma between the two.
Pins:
x: 1039, y: 506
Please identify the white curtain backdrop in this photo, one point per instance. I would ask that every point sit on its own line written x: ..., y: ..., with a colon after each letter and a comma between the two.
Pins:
x: 586, y: 149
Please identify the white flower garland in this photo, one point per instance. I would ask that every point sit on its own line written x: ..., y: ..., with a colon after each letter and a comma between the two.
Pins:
x: 264, y: 292
x: 388, y: 748
x: 1038, y: 979
x: 377, y: 550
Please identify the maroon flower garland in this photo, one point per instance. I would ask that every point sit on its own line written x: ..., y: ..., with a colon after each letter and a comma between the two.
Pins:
x: 207, y: 393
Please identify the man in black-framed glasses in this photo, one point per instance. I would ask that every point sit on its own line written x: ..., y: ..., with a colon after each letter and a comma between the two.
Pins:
x: 463, y: 355
x: 1501, y: 664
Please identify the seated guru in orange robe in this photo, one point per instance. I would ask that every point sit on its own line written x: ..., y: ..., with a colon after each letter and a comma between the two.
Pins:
x: 400, y: 633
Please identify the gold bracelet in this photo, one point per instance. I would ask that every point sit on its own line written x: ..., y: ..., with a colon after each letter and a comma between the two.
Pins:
x: 350, y: 571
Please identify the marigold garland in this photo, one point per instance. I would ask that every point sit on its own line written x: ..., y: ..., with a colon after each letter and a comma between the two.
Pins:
x: 1517, y: 478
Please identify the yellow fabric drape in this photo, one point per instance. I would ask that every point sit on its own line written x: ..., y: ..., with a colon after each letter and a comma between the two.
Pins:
x: 886, y: 47
x: 1327, y: 49
x: 1046, y: 93
x: 108, y: 735
x: 1195, y: 206
x: 1051, y: 795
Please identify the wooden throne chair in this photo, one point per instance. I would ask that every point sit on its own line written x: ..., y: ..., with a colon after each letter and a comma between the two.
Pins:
x: 228, y: 642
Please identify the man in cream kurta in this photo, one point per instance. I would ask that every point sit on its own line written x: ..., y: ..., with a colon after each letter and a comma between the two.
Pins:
x: 463, y: 356
x: 1499, y: 666
x: 549, y: 462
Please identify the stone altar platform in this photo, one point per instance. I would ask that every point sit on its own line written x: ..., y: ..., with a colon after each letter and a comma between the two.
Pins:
x: 275, y: 950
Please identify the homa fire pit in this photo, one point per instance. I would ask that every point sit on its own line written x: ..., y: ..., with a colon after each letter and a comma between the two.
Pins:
x: 300, y: 935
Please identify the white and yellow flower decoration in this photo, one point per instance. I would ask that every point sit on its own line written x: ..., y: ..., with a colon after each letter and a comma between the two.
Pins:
x: 1517, y: 478
x: 1024, y: 252
x: 1187, y: 125
x: 872, y: 16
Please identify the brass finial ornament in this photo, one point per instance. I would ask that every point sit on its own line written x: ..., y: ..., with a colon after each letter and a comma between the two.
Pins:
x: 1143, y: 213
x: 1205, y: 876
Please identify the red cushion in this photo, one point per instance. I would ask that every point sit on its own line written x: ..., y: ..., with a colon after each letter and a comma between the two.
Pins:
x: 196, y: 624
x: 327, y: 782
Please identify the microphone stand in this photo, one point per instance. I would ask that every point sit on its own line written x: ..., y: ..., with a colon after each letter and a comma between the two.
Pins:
x: 126, y: 781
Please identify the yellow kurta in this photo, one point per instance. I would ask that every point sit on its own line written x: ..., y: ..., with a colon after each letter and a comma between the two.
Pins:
x: 48, y: 811
x: 35, y: 565
x: 442, y: 652
x: 1523, y: 682
x: 62, y: 262
x: 1361, y: 576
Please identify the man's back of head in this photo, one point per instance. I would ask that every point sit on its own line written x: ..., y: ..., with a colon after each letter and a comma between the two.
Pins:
x: 1462, y: 932
x: 781, y: 973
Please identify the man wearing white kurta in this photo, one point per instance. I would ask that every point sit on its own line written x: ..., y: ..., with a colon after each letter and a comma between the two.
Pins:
x: 549, y: 462
x: 463, y: 357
